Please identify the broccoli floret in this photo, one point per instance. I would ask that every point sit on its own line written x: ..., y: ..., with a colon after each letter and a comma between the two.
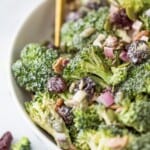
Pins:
x: 112, y: 137
x: 136, y: 115
x: 90, y: 61
x: 81, y: 141
x: 71, y: 37
x: 140, y: 143
x: 146, y: 21
x: 119, y: 74
x: 34, y: 67
x: 87, y: 119
x: 87, y: 61
x: 138, y: 79
x: 93, y: 116
x: 106, y: 138
x: 42, y: 111
x: 22, y: 144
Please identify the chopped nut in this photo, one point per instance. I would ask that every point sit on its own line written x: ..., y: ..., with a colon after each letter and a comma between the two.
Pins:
x: 114, y: 106
x: 59, y: 102
x: 118, y: 110
x: 60, y: 64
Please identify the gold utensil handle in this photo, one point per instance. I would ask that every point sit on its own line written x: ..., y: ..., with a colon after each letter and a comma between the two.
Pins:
x: 58, y: 20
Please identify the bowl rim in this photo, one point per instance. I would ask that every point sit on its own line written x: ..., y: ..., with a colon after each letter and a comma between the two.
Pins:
x: 11, y: 48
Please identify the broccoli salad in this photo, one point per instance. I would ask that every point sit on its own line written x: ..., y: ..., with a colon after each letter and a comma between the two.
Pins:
x: 92, y: 92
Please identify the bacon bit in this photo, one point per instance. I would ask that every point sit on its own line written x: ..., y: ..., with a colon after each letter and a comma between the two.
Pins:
x: 114, y: 106
x: 60, y: 64
x: 117, y: 143
x: 140, y: 34
x: 59, y: 103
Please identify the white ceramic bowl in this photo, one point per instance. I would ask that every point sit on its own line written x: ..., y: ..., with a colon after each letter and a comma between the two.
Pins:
x: 36, y: 27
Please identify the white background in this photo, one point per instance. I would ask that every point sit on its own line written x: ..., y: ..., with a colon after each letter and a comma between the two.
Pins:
x: 12, y: 13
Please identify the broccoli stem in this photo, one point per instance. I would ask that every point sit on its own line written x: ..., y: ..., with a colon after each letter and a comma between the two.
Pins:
x: 100, y: 72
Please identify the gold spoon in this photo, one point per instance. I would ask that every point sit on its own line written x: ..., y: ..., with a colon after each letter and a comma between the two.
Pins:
x: 59, y: 11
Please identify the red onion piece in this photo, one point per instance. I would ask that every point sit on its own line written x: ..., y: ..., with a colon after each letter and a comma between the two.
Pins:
x: 123, y: 56
x: 106, y: 98
x: 108, y: 52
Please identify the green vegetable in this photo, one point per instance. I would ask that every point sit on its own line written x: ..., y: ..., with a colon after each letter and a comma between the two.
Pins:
x: 138, y: 80
x: 71, y: 38
x: 99, y: 139
x: 140, y: 143
x: 119, y: 74
x: 81, y: 142
x: 136, y: 115
x: 91, y: 61
x: 146, y: 21
x: 34, y: 67
x: 22, y: 144
x: 42, y: 111
x: 133, y: 7
x: 87, y: 61
x: 87, y: 119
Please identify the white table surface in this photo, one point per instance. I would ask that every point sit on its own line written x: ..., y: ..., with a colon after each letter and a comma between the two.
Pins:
x: 11, y: 14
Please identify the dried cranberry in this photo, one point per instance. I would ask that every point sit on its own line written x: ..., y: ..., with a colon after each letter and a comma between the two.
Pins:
x: 56, y: 84
x: 5, y: 141
x: 86, y: 84
x: 138, y: 51
x: 120, y: 19
x: 66, y: 114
